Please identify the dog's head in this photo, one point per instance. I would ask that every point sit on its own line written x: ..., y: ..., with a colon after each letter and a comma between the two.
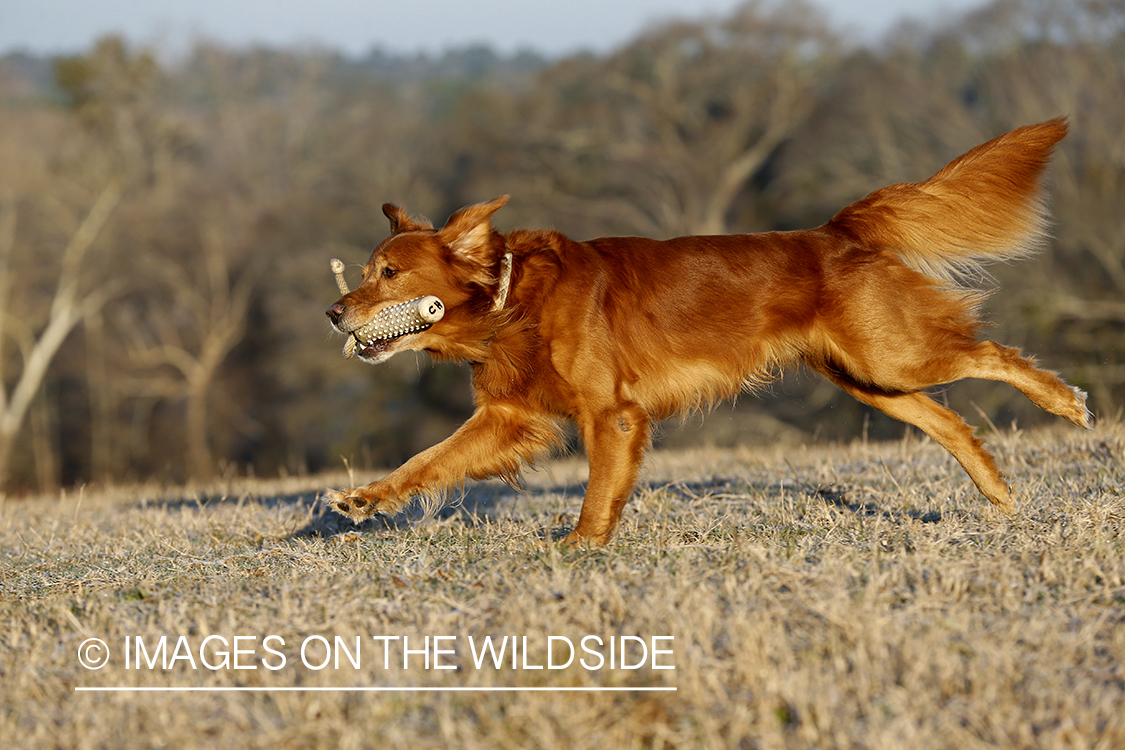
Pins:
x: 459, y: 264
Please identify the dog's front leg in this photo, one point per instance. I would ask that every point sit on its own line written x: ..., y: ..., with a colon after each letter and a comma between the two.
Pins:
x: 616, y: 440
x: 495, y: 441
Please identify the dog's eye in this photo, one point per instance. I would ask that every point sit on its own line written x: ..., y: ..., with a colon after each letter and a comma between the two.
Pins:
x: 389, y: 273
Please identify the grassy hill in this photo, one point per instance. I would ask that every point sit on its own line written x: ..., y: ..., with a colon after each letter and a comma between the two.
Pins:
x: 856, y: 596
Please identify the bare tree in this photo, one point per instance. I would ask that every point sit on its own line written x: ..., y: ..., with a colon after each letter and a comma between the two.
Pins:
x: 663, y: 137
x: 180, y: 335
x: 73, y: 301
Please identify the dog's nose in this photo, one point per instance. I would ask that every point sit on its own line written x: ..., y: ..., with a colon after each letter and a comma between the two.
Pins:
x: 335, y: 312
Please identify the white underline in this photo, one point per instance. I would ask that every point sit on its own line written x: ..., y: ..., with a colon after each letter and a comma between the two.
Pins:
x: 165, y: 689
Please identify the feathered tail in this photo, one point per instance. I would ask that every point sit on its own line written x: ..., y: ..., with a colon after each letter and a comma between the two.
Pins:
x: 986, y: 205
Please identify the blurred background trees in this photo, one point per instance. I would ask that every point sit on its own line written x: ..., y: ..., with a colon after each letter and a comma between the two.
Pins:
x: 165, y: 227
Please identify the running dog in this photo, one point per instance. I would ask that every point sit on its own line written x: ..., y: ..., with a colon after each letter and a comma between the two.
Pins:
x: 618, y: 332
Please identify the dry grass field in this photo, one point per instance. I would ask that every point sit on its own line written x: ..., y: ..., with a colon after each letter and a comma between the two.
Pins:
x: 858, y: 596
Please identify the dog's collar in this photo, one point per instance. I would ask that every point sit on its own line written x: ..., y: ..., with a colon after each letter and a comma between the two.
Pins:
x: 501, y: 297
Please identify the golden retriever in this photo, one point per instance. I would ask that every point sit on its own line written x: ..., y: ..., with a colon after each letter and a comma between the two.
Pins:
x: 615, y: 333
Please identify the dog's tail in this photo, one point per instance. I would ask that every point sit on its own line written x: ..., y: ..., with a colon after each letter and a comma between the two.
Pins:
x: 984, y: 206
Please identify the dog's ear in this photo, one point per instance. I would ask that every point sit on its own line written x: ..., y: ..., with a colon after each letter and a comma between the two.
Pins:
x: 468, y: 230
x: 402, y: 221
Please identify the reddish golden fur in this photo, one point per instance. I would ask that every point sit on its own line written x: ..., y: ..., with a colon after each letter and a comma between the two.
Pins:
x: 620, y: 331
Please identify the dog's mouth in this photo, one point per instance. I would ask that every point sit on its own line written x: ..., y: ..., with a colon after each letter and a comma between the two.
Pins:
x: 374, y: 339
x: 373, y: 348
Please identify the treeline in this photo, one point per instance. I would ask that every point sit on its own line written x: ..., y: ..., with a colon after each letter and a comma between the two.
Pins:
x: 165, y: 229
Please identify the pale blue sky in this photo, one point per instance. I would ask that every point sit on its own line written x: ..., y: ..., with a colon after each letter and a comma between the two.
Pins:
x: 356, y: 26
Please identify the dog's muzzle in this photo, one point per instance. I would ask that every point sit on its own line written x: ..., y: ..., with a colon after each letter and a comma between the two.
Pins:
x: 392, y: 322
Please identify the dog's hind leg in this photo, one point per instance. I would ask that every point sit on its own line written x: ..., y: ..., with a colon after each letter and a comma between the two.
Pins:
x: 1046, y: 390
x: 615, y: 440
x: 943, y: 425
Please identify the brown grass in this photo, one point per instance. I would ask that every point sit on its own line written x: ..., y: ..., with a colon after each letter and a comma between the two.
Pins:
x: 861, y: 596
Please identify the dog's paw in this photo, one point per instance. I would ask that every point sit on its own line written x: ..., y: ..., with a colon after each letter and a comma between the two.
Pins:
x: 1077, y: 410
x: 1081, y: 414
x: 349, y: 503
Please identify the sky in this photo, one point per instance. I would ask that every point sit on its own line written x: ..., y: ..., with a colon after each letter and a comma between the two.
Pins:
x: 355, y: 27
